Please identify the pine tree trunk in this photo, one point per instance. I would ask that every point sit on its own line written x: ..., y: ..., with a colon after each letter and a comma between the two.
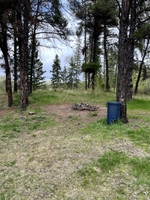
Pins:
x: 89, y: 80
x: 15, y: 64
x: 23, y: 51
x: 85, y: 55
x: 93, y: 81
x: 4, y: 48
x: 32, y: 62
x: 85, y: 80
x: 122, y: 81
x: 8, y: 80
x: 95, y: 39
x: 33, y: 46
x: 106, y: 58
x: 6, y: 89
x: 140, y: 70
x: 131, y: 49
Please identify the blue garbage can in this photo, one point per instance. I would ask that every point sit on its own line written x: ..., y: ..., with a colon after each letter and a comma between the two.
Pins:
x: 113, y: 111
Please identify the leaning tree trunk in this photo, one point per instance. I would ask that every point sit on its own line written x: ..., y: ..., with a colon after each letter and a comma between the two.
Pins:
x: 122, y: 81
x: 140, y: 70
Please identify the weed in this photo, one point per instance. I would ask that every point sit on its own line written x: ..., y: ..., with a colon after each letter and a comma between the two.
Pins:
x: 10, y: 163
x: 31, y: 159
x: 93, y: 114
x: 7, y: 118
x: 74, y: 117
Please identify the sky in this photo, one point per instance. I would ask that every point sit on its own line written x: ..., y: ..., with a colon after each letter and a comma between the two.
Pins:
x: 47, y: 56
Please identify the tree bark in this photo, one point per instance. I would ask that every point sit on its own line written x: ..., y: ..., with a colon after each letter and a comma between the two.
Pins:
x: 93, y: 81
x: 8, y: 80
x: 85, y: 80
x: 4, y: 48
x: 23, y: 29
x: 122, y: 81
x: 33, y: 46
x: 95, y: 39
x: 131, y: 49
x: 106, y: 58
x: 15, y: 64
x: 85, y: 55
x: 140, y: 69
x: 89, y: 80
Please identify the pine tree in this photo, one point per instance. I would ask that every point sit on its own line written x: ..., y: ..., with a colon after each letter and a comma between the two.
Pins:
x: 56, y: 73
x: 38, y: 78
x: 71, y: 74
x: 35, y: 69
x: 64, y: 75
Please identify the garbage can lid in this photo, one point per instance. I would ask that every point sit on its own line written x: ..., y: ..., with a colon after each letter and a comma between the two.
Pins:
x: 114, y: 103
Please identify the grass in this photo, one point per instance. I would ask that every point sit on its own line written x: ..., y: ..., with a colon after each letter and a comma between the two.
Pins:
x: 112, y: 163
x: 13, y: 126
x: 140, y: 104
x: 51, y: 156
x: 93, y: 114
x: 68, y: 96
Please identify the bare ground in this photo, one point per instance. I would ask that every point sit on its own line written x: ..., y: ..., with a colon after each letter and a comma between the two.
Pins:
x: 63, y: 111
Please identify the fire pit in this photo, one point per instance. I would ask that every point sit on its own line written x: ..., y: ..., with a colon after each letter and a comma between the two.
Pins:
x: 84, y: 106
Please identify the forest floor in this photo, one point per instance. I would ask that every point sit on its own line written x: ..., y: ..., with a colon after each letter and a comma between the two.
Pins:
x: 52, y: 152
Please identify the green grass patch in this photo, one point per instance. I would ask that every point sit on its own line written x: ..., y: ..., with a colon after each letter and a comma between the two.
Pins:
x: 10, y: 163
x: 140, y: 136
x: 73, y: 117
x: 144, y: 118
x: 12, y: 127
x: 110, y: 160
x: 101, y: 129
x: 139, y: 104
x: 7, y: 118
x: 47, y: 97
x: 117, y: 163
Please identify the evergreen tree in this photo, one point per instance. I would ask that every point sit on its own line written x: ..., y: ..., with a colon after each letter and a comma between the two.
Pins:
x: 35, y: 69
x: 56, y: 73
x: 64, y: 75
x: 38, y: 78
x: 71, y: 74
